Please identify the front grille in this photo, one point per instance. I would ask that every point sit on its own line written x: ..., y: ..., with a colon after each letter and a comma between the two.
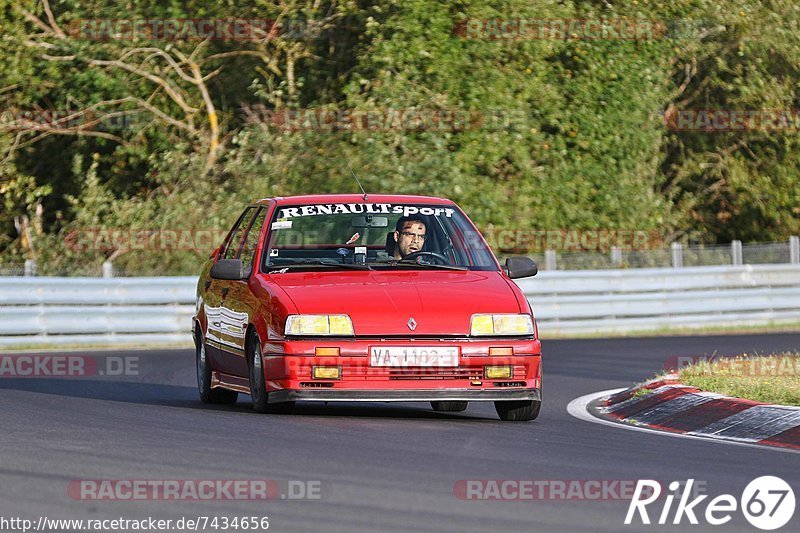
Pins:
x: 509, y: 384
x: 454, y: 373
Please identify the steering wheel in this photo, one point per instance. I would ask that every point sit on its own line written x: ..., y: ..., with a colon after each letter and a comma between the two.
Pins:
x: 438, y: 257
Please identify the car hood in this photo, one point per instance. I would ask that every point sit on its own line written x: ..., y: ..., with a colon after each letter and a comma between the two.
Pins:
x: 382, y: 302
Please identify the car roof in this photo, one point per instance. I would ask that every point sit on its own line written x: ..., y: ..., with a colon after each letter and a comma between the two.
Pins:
x: 354, y: 198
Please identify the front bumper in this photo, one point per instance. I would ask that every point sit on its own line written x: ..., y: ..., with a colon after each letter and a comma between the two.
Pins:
x: 351, y: 395
x: 288, y: 372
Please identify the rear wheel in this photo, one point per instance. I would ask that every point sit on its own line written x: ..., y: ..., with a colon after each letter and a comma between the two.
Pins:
x: 520, y: 411
x: 258, y: 385
x: 449, y: 407
x: 207, y: 394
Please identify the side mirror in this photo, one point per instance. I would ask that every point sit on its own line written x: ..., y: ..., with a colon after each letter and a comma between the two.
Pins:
x: 521, y: 267
x: 231, y: 269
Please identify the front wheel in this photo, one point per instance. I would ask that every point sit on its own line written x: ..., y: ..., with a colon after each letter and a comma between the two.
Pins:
x: 449, y: 407
x: 258, y: 385
x: 519, y: 411
x: 207, y: 394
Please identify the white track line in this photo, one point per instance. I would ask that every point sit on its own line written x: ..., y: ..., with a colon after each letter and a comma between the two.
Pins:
x: 579, y: 409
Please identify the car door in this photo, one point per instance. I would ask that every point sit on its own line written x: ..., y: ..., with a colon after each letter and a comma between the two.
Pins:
x: 240, y: 303
x: 219, y: 341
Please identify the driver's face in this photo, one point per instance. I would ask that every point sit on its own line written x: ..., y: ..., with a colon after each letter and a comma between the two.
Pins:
x: 410, y: 239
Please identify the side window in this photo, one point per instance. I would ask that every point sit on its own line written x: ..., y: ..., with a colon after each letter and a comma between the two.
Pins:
x: 251, y: 239
x: 232, y: 246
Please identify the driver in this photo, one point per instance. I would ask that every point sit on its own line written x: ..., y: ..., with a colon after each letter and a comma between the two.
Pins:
x: 409, y: 234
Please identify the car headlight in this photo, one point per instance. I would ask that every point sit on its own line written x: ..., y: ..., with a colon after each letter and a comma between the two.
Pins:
x: 319, y: 325
x: 483, y: 325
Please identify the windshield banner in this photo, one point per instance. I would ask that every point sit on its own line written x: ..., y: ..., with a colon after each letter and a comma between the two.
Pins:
x: 358, y: 209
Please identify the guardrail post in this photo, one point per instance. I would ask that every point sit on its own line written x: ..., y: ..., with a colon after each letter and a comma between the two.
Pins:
x: 108, y: 269
x: 736, y: 253
x: 677, y: 255
x: 794, y: 250
x: 30, y: 267
x: 550, y: 260
x: 616, y: 255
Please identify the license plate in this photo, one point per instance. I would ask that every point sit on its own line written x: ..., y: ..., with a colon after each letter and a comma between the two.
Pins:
x: 406, y: 356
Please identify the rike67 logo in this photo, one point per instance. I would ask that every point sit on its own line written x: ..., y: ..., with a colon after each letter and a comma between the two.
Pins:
x: 767, y: 503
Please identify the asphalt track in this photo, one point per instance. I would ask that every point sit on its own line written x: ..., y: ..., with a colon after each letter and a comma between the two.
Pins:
x: 381, y: 467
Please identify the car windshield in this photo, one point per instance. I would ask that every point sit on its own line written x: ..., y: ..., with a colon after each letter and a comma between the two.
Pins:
x: 375, y: 236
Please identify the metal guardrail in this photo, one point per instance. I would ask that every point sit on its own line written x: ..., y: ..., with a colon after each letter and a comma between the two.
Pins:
x: 677, y: 255
x: 96, y: 311
x: 626, y: 301
x: 116, y: 311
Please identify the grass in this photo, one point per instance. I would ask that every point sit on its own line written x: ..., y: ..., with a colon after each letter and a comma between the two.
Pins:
x: 764, y: 378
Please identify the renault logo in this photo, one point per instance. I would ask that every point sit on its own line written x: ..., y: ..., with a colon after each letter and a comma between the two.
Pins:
x: 412, y: 324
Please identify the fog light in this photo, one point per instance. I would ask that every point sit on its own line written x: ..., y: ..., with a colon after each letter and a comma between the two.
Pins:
x: 326, y: 372
x: 326, y: 351
x: 501, y: 351
x: 498, y: 372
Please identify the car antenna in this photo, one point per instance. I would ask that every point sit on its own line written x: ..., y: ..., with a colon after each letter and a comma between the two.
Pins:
x: 357, y: 181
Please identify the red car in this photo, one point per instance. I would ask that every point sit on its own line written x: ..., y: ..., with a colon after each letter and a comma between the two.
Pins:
x: 382, y: 298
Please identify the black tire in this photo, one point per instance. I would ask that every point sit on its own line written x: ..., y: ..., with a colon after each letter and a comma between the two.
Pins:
x: 207, y: 394
x: 258, y: 386
x: 518, y: 411
x: 449, y: 407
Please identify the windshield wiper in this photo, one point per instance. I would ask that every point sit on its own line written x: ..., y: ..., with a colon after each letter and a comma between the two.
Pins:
x: 412, y: 262
x: 318, y: 262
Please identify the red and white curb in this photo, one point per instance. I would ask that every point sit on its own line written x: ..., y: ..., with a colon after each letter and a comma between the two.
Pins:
x: 681, y: 410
